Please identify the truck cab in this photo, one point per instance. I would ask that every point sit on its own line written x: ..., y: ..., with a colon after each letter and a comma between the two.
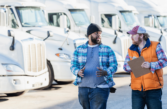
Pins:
x: 22, y: 59
x: 28, y: 16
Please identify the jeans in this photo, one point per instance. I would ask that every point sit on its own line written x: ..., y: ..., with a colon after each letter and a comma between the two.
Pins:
x: 93, y: 98
x: 151, y: 98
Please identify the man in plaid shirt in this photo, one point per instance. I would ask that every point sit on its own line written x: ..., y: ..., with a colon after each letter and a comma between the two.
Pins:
x: 94, y: 64
x: 146, y: 90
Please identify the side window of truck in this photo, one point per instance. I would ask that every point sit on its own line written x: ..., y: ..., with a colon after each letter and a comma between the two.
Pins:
x: 12, y: 22
x: 148, y: 21
x: 54, y: 19
x: 106, y: 20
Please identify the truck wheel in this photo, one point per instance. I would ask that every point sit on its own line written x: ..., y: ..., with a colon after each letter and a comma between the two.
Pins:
x: 16, y: 94
x: 64, y: 82
x: 51, y: 76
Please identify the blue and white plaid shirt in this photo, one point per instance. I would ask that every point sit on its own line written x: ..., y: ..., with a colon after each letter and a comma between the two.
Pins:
x: 107, y: 62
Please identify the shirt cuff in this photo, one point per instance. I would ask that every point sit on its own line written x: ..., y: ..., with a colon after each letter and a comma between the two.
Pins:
x: 76, y: 72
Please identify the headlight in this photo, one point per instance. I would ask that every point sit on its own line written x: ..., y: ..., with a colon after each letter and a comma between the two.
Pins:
x: 63, y: 56
x: 12, y: 68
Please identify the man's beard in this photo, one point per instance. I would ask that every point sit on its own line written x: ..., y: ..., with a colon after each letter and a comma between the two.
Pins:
x: 95, y: 41
x: 137, y: 42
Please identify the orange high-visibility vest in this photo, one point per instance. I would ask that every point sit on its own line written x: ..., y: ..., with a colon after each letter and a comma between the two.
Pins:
x: 148, y: 81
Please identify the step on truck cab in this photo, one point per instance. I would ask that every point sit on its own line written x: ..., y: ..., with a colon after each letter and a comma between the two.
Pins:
x: 78, y: 21
x: 22, y: 60
x: 28, y: 16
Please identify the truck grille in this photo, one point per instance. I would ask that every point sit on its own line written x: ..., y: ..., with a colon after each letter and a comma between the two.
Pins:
x: 126, y: 46
x: 35, y: 57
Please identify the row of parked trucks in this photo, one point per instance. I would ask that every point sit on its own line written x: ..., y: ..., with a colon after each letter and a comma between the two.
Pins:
x: 38, y: 37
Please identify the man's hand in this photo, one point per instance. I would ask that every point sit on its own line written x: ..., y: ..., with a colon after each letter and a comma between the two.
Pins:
x: 80, y: 73
x: 101, y: 72
x: 145, y: 65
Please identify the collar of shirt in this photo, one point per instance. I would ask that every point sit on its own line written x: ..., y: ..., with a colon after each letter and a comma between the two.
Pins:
x: 92, y: 45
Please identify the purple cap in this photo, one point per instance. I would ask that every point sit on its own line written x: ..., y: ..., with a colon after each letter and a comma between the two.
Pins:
x: 136, y: 30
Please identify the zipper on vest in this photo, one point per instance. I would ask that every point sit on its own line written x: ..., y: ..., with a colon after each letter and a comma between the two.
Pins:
x: 158, y: 79
x: 143, y: 84
x: 143, y: 87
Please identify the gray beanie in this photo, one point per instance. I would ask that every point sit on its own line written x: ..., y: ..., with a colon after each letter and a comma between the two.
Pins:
x: 93, y: 28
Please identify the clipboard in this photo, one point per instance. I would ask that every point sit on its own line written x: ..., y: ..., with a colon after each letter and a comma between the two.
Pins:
x: 136, y: 68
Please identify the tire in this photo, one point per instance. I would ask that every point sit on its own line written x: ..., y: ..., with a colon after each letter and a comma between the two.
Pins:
x: 16, y: 94
x: 51, y: 76
x: 64, y: 82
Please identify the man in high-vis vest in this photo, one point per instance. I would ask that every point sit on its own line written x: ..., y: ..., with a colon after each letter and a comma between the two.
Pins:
x: 146, y: 89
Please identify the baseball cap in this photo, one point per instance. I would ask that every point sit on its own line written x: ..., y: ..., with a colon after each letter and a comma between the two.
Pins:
x: 136, y: 30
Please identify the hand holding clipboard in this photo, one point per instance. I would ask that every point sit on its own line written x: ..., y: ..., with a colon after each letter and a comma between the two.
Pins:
x: 136, y: 67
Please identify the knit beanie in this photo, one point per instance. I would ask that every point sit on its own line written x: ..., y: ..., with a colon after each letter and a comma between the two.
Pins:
x: 93, y: 28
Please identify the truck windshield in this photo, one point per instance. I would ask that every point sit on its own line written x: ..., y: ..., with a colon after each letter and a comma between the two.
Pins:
x: 162, y: 20
x: 80, y: 17
x: 129, y: 18
x: 31, y: 16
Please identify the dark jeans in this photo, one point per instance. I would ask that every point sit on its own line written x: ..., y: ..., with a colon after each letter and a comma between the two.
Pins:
x: 93, y: 98
x: 151, y: 98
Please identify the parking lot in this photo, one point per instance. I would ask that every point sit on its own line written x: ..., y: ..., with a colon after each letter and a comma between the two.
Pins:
x: 64, y: 96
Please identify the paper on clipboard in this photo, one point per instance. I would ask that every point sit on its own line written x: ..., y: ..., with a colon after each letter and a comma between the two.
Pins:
x: 136, y: 68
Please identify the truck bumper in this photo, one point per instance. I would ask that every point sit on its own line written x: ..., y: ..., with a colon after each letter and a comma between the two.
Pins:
x: 12, y: 84
x: 120, y: 67
x: 62, y: 71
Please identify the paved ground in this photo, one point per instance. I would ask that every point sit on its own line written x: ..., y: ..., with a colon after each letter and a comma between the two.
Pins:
x: 64, y: 96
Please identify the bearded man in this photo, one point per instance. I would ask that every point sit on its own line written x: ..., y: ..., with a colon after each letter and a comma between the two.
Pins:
x: 146, y: 89
x: 93, y: 64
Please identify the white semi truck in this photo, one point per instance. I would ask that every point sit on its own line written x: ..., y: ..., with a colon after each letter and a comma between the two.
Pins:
x: 78, y: 21
x: 22, y: 59
x: 28, y: 16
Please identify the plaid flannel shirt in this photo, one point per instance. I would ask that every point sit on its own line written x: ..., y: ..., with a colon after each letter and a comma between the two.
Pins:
x: 161, y: 63
x: 107, y: 62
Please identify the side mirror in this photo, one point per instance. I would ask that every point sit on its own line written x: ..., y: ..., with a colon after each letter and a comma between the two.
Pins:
x: 160, y: 38
x: 115, y: 39
x: 63, y: 21
x: 49, y: 34
x: 115, y: 22
x: 11, y: 34
x: 151, y: 21
x: 92, y: 19
x: 66, y: 30
x: 3, y: 16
